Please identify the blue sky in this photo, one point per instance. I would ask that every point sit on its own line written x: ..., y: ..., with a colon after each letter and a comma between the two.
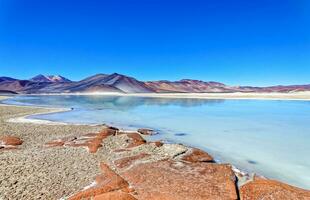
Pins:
x: 239, y: 42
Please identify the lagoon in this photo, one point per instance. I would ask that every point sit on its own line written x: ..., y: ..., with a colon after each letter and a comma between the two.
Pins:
x: 268, y: 137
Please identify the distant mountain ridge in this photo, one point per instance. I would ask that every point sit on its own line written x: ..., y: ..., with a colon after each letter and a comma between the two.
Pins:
x: 118, y: 83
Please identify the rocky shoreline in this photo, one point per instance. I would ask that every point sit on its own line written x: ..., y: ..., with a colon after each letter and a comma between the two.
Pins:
x: 57, y: 161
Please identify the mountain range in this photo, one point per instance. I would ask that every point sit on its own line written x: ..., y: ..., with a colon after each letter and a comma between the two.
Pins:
x: 124, y: 84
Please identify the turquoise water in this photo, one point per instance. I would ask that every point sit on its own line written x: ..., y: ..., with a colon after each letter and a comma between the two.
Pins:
x: 271, y: 138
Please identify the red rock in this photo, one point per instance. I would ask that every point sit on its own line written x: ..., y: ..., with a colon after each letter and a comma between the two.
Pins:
x: 127, y: 161
x: 10, y: 140
x: 177, y: 181
x: 107, y: 132
x: 121, y: 150
x: 115, y: 195
x: 54, y: 143
x: 146, y: 131
x: 135, y: 140
x: 273, y: 190
x: 107, y: 182
x: 94, y: 144
x: 197, y: 155
x: 90, y: 140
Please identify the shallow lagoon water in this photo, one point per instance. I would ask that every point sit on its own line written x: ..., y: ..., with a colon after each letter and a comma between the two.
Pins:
x: 269, y: 137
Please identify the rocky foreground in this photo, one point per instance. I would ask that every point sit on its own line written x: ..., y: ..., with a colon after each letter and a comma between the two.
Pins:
x: 99, y: 162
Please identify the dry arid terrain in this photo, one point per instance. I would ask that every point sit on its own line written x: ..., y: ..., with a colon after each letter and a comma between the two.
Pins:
x: 41, y: 161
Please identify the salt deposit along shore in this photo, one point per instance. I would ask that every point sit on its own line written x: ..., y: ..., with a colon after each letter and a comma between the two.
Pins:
x: 61, y: 161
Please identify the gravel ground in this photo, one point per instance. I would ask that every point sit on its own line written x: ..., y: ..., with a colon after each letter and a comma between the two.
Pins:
x: 36, y: 172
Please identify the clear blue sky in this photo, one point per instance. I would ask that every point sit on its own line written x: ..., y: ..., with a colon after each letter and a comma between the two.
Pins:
x: 238, y: 42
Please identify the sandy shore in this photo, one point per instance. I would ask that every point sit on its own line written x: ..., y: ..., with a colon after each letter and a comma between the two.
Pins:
x: 34, y: 172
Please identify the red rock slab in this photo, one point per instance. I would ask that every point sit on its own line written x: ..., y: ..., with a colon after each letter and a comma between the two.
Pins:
x: 55, y: 143
x: 127, y: 161
x: 271, y: 190
x: 10, y: 140
x: 135, y: 140
x: 107, y: 182
x: 197, y: 155
x: 94, y: 144
x: 175, y: 180
x: 90, y: 140
x: 115, y: 195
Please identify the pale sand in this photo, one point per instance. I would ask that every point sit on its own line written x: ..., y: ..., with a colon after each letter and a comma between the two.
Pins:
x: 35, y: 172
x: 237, y: 95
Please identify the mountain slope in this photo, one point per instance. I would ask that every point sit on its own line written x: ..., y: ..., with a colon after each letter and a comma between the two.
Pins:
x: 127, y: 84
x: 50, y: 78
x: 22, y: 86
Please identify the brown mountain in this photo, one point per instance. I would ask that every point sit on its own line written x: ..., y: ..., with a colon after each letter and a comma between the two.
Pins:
x: 125, y: 84
x: 188, y: 86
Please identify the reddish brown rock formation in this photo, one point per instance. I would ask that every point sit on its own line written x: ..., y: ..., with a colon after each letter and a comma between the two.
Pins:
x: 9, y: 142
x: 197, y: 155
x: 146, y: 131
x: 127, y: 161
x: 173, y: 172
x: 176, y: 180
x: 55, y: 143
x: 90, y: 140
x: 135, y: 140
x: 270, y: 189
x: 115, y: 195
x: 108, y: 185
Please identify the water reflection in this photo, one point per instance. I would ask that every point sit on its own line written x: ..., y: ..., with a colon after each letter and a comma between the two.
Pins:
x: 110, y: 102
